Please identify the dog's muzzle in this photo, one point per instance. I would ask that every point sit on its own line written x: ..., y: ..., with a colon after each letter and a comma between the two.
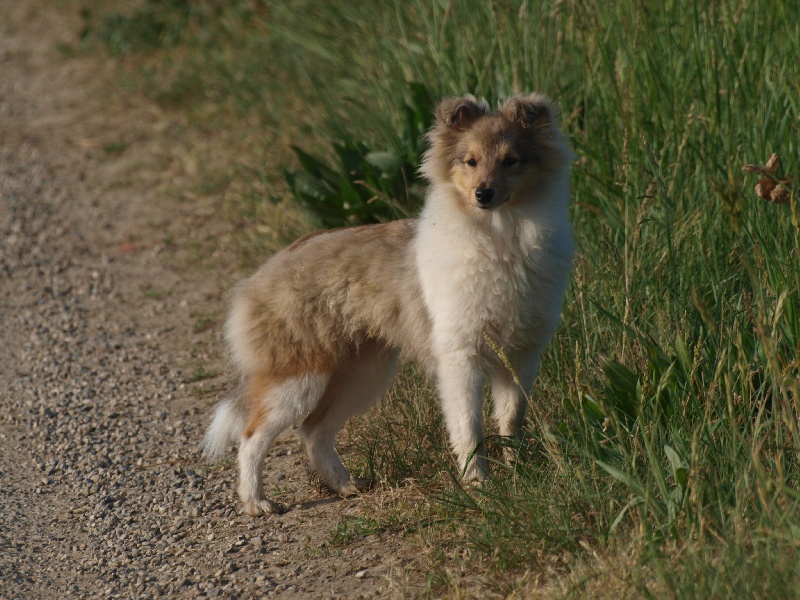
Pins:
x: 484, y: 196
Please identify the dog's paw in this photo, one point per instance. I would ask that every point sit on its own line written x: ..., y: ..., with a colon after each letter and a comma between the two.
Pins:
x: 356, y: 486
x: 510, y: 456
x: 263, y: 507
x: 476, y: 471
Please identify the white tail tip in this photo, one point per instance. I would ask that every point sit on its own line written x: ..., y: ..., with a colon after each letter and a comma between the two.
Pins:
x: 226, y: 427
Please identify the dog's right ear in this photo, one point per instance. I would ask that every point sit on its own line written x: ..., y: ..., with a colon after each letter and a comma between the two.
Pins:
x: 460, y: 113
x: 453, y: 117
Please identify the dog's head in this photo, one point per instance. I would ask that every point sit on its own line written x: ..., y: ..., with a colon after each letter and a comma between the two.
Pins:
x: 494, y: 157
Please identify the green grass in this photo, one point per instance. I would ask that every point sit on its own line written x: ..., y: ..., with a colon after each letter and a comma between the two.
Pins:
x: 663, y: 431
x: 154, y: 293
x: 113, y: 148
x: 200, y: 373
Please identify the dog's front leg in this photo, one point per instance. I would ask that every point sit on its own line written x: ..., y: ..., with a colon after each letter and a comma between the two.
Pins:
x: 461, y: 391
x: 510, y: 389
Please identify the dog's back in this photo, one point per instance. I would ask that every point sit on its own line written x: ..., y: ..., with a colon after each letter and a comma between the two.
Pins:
x: 305, y: 308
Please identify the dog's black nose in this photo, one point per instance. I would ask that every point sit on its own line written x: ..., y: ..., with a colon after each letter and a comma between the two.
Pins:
x: 484, y: 195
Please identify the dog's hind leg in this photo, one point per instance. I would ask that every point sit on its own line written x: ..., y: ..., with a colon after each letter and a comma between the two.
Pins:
x: 362, y: 379
x: 275, y: 406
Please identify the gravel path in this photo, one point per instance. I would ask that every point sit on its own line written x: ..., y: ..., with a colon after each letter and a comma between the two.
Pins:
x: 108, y: 346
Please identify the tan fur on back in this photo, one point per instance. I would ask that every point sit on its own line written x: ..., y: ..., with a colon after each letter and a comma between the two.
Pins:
x: 305, y: 309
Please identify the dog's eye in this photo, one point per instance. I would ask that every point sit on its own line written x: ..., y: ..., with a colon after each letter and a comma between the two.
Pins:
x: 472, y: 162
x: 509, y: 161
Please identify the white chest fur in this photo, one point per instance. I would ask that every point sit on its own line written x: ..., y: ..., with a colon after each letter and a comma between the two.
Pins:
x: 501, y: 274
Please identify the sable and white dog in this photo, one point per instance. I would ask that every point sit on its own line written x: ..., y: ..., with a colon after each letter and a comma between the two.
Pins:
x: 317, y: 332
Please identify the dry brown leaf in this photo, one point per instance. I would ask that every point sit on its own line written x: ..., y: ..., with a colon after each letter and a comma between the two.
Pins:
x: 770, y: 187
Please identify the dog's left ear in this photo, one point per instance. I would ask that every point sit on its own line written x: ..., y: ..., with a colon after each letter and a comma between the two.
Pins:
x: 531, y: 111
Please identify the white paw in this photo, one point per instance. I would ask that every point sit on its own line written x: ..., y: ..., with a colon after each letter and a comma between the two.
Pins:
x: 354, y: 487
x: 256, y: 508
x: 476, y: 470
x: 510, y: 455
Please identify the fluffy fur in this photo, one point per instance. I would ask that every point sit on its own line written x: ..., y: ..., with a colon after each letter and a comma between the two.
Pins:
x: 317, y: 332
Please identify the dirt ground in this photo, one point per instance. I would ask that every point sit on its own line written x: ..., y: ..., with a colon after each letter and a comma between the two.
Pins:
x: 112, y: 296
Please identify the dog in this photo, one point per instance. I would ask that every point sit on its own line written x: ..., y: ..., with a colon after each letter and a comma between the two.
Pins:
x: 317, y: 332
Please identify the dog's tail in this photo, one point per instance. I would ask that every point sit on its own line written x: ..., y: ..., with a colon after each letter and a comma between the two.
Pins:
x: 230, y: 418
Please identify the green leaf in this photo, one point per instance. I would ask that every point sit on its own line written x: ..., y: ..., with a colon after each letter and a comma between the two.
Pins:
x: 683, y: 356
x: 632, y: 503
x: 591, y: 409
x: 624, y: 478
x: 386, y: 162
x: 622, y: 392
x: 677, y: 467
